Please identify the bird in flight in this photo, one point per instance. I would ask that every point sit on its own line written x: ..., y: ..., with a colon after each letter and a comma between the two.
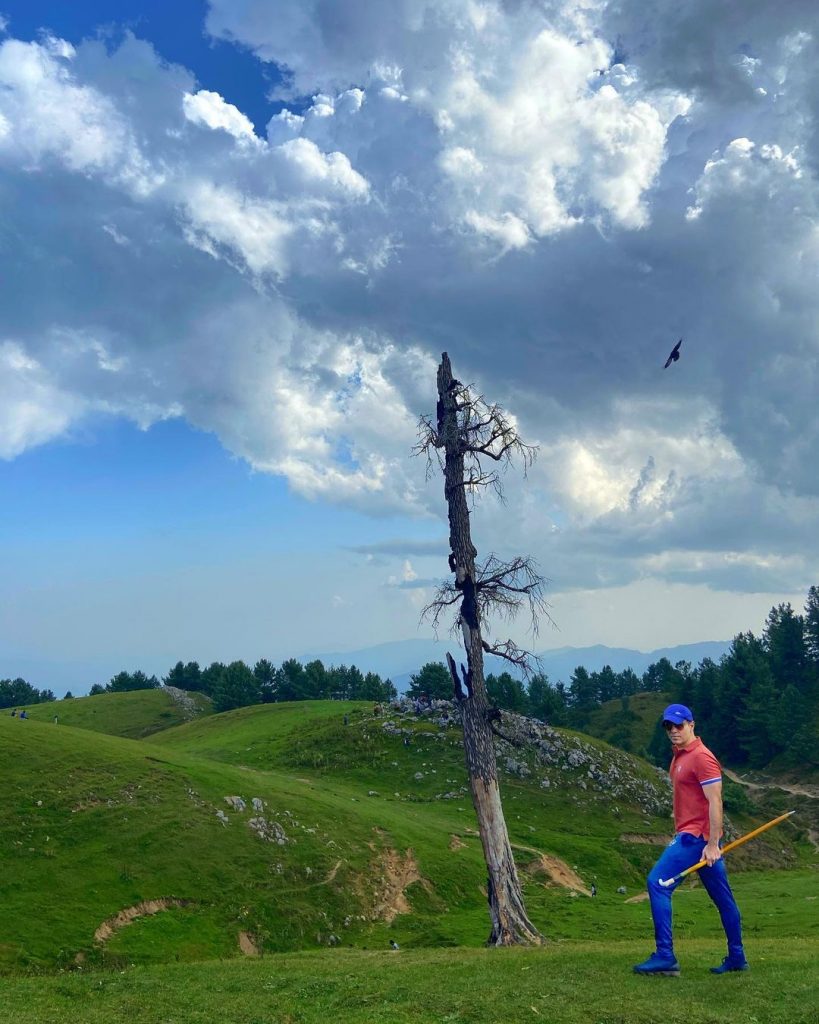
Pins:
x: 674, y: 355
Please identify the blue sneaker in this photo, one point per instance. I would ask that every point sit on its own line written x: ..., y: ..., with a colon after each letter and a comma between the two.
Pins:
x: 657, y: 964
x: 728, y: 964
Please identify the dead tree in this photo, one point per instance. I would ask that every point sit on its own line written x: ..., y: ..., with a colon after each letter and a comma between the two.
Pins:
x: 467, y: 437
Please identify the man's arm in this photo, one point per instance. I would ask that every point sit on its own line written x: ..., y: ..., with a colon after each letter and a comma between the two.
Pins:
x: 713, y: 794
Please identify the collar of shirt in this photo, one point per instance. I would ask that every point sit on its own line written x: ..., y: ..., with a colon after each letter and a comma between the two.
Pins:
x: 693, y: 745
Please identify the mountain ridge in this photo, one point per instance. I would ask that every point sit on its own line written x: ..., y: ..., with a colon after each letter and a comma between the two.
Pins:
x: 399, y: 659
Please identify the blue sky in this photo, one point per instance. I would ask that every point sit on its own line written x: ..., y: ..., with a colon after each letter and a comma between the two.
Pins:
x: 175, y: 29
x: 236, y: 237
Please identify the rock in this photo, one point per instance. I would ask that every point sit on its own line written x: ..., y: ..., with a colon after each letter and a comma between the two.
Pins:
x: 223, y: 817
x: 270, y: 831
x: 258, y: 805
x: 189, y: 706
x: 236, y: 802
x: 519, y: 768
x: 622, y: 890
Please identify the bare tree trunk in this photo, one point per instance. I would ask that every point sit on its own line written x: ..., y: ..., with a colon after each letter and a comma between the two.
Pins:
x: 510, y: 923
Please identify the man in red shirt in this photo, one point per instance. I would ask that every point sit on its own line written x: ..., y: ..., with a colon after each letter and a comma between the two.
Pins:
x: 696, y: 778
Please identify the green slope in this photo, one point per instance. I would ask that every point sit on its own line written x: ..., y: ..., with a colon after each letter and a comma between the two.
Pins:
x: 135, y: 714
x: 630, y: 727
x: 94, y: 824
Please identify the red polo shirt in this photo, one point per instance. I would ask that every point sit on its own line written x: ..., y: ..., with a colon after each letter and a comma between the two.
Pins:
x: 691, y: 770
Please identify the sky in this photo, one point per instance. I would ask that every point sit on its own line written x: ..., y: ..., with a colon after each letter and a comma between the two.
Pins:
x: 236, y: 236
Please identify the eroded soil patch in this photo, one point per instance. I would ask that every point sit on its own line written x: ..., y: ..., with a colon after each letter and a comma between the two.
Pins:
x: 556, y: 869
x: 144, y: 909
x: 247, y: 944
x: 397, y: 873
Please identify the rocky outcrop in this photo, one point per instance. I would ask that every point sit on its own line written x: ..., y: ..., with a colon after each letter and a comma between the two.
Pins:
x: 190, y: 709
x: 552, y: 758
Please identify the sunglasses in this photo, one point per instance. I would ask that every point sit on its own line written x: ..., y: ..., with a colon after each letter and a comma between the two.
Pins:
x: 668, y: 726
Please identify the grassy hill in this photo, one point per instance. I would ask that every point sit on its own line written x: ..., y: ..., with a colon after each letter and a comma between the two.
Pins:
x: 628, y: 725
x: 134, y: 714
x: 355, y: 837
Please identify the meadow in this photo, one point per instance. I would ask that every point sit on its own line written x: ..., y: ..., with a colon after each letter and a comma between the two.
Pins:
x: 376, y: 842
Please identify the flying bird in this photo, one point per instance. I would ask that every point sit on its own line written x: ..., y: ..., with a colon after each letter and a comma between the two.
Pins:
x: 674, y: 355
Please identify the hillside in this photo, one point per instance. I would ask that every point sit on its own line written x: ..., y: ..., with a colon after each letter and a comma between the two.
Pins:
x: 133, y: 715
x: 342, y: 834
x: 628, y: 723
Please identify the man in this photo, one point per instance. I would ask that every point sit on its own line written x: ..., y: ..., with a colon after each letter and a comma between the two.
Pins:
x: 696, y: 778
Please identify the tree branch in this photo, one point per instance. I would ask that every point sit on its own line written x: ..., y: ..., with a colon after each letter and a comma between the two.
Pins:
x: 509, y: 651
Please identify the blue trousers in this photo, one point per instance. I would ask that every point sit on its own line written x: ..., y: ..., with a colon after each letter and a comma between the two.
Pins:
x: 683, y: 851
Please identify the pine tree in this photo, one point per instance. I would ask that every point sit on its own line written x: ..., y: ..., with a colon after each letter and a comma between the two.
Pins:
x: 546, y: 702
x: 507, y: 693
x: 432, y: 680
x: 211, y: 677
x: 606, y: 682
x: 237, y: 688
x: 582, y: 697
x: 291, y: 682
x: 745, y: 664
x: 265, y: 674
x: 785, y: 643
x: 812, y: 630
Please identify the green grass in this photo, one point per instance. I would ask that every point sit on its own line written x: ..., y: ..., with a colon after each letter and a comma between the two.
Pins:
x: 134, y: 714
x: 94, y: 823
x: 571, y: 983
x: 634, y: 732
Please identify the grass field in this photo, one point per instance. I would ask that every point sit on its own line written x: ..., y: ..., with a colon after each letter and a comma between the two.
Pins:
x: 381, y: 845
x: 571, y: 983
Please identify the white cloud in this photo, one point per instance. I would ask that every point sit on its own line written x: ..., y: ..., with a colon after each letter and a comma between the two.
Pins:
x: 532, y: 124
x: 210, y: 109
x: 315, y: 166
x: 49, y: 116
x: 32, y: 409
x: 477, y: 177
x: 255, y: 230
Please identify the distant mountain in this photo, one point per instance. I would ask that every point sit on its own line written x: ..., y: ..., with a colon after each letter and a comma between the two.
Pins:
x: 560, y: 663
x: 396, y: 660
x: 399, y: 659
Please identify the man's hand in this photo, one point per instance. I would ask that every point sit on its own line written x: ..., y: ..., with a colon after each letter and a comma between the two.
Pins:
x: 712, y: 853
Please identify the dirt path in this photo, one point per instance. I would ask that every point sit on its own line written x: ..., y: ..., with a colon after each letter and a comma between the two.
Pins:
x: 811, y: 792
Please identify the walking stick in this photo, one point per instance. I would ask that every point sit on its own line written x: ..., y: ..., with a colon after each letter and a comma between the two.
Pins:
x: 666, y: 882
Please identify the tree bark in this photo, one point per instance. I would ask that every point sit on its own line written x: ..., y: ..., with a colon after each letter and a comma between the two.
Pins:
x: 510, y: 923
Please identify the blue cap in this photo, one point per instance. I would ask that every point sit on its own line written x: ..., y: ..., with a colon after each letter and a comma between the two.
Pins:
x: 678, y: 713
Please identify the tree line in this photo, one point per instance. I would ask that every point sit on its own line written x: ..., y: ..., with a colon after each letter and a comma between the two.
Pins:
x: 17, y: 693
x: 558, y: 704
x: 761, y: 702
x: 757, y: 704
x: 237, y: 685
